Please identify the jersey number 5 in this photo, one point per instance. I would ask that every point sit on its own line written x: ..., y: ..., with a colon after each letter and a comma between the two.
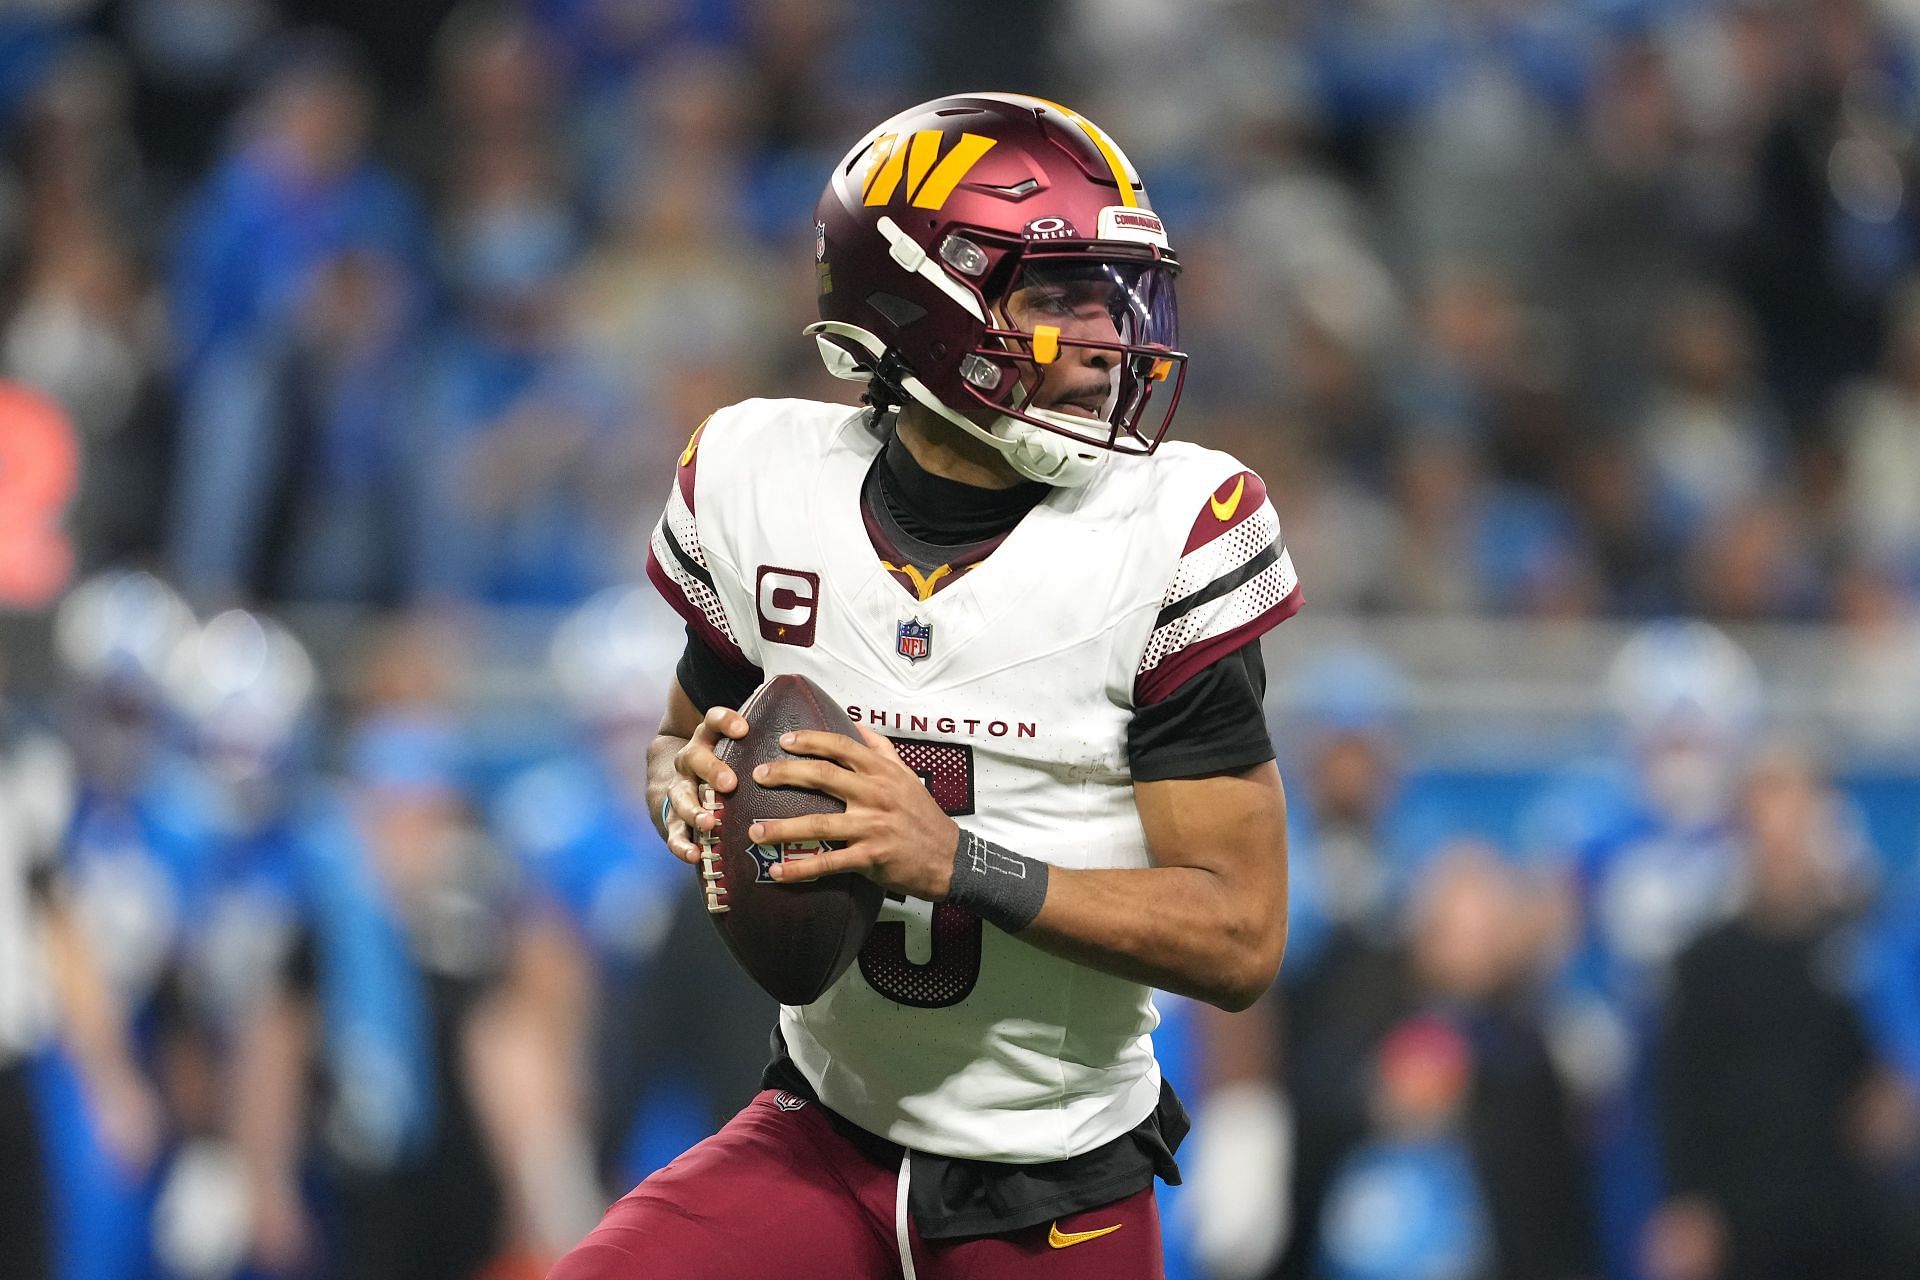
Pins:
x: 940, y: 970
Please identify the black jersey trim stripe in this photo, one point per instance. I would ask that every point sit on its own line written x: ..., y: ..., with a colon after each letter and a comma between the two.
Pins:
x: 687, y: 562
x: 1223, y: 585
x: 710, y: 622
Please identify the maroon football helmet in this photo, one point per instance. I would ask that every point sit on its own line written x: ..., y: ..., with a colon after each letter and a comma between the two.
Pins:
x: 965, y: 244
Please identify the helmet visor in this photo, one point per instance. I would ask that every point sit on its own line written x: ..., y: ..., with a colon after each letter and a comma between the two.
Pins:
x: 1113, y: 303
x: 1088, y: 341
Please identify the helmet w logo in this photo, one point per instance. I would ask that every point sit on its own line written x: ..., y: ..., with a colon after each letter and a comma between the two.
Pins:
x: 930, y: 177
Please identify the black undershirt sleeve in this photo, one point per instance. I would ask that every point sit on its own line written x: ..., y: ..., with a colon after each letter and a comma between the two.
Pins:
x: 710, y: 680
x: 1214, y: 723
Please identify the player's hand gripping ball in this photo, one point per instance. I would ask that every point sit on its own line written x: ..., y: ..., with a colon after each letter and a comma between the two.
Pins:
x: 795, y: 939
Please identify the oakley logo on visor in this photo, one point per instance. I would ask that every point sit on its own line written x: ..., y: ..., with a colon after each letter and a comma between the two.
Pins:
x: 1049, y: 228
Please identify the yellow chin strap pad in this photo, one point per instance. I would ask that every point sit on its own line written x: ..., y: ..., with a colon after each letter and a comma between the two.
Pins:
x: 1046, y: 343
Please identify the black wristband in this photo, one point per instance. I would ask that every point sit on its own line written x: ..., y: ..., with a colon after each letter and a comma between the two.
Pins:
x: 996, y: 884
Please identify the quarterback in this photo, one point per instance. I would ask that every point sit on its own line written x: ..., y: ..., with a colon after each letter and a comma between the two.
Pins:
x: 1046, y: 624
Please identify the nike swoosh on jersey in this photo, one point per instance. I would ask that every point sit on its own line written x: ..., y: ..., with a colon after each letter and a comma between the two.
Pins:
x: 1223, y: 511
x: 1062, y: 1239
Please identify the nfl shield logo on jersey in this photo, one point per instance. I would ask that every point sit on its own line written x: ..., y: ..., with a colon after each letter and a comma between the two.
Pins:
x: 916, y: 640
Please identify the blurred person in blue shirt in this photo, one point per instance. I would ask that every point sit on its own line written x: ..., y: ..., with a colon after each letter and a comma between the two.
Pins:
x: 232, y: 1202
x: 1405, y: 1204
x: 415, y: 1189
x: 355, y: 1108
x: 1651, y: 862
x: 303, y: 465
x: 1351, y: 851
x: 669, y: 1059
x: 531, y: 446
x: 296, y: 187
x: 298, y: 280
x: 132, y: 851
x: 464, y: 1149
x: 1651, y: 837
x: 52, y: 992
x: 354, y: 1056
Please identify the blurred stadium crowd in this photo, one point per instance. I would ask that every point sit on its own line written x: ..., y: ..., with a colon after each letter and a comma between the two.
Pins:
x: 1570, y: 310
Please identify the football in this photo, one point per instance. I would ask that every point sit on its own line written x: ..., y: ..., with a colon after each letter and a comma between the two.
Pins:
x: 795, y: 940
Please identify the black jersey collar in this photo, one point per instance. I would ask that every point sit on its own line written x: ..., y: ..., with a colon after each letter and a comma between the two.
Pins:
x: 947, y: 512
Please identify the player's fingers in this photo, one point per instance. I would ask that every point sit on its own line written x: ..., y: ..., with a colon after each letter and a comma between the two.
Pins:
x: 825, y: 863
x: 809, y: 826
x: 725, y: 721
x: 825, y: 746
x: 684, y: 807
x: 686, y: 820
x: 880, y: 743
x: 817, y: 775
x: 690, y: 818
x: 680, y: 846
x: 697, y: 761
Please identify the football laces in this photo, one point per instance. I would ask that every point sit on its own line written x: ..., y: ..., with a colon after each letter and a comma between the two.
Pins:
x: 713, y: 874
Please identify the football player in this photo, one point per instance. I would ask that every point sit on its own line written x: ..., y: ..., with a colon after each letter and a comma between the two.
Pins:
x: 1047, y: 629
x: 1649, y: 845
x: 133, y: 844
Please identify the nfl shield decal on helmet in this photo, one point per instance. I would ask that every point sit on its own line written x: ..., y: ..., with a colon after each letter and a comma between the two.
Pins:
x: 916, y: 640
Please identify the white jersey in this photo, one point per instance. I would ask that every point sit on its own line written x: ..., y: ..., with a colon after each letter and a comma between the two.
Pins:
x: 1009, y: 686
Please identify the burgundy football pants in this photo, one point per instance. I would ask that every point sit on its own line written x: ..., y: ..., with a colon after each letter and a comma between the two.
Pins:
x: 779, y: 1194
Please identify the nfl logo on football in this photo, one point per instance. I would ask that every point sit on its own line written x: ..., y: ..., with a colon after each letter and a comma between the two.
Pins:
x: 916, y: 640
x: 765, y: 855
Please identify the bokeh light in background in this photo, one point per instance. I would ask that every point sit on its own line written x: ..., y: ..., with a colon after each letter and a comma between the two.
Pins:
x: 373, y: 329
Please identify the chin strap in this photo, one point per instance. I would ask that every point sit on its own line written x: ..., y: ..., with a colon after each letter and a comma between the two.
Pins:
x: 1034, y: 452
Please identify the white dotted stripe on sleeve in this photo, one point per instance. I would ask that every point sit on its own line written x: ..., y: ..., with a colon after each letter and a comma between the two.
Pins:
x: 1224, y: 554
x: 698, y: 594
x: 686, y: 530
x: 1266, y: 590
